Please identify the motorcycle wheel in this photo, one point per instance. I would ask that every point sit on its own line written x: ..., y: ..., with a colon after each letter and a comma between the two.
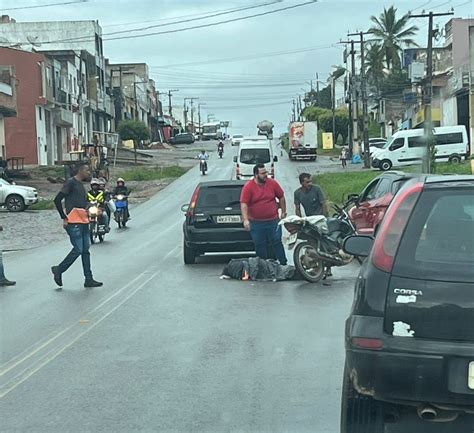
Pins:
x: 311, y: 268
x: 93, y: 232
x: 101, y: 238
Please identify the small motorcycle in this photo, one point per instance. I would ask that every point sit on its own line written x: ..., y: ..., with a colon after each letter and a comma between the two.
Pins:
x: 317, y: 242
x: 97, y: 228
x: 121, y: 210
x: 203, y: 166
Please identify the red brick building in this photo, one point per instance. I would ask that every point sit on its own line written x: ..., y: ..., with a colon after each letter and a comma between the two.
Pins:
x: 24, y: 136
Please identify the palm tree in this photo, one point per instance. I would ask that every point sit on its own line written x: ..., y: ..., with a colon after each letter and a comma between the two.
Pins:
x: 374, y: 64
x: 393, y: 33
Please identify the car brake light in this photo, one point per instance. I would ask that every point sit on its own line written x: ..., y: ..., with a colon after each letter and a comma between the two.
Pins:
x: 272, y: 171
x: 390, y: 233
x: 193, y: 203
x: 367, y: 343
x: 237, y: 171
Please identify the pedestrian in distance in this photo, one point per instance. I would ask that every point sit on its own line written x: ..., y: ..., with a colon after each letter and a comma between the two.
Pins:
x: 4, y: 281
x: 76, y: 223
x: 261, y: 198
x: 343, y: 157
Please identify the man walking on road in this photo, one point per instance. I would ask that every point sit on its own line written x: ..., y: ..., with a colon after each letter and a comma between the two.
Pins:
x: 4, y: 282
x: 311, y: 197
x: 76, y: 223
x: 260, y: 213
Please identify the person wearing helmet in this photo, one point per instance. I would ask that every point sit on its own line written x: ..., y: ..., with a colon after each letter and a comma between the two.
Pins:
x: 96, y: 194
x: 123, y: 190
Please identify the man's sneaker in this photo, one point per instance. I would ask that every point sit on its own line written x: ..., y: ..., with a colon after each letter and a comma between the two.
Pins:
x: 92, y: 283
x: 5, y: 283
x: 57, y: 276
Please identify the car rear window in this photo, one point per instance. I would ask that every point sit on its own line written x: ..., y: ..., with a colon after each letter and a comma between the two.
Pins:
x: 220, y: 196
x: 254, y: 156
x: 438, y: 243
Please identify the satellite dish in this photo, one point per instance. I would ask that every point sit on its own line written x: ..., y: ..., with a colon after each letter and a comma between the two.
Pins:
x: 33, y: 41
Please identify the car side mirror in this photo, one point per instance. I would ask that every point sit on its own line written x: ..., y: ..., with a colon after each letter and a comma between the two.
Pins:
x: 358, y: 245
x: 275, y: 159
x: 235, y: 159
x: 184, y: 208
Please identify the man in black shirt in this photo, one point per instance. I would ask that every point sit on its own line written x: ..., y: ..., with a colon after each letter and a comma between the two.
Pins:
x: 76, y: 223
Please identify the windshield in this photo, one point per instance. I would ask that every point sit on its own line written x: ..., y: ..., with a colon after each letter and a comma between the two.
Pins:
x: 254, y: 156
x: 209, y: 129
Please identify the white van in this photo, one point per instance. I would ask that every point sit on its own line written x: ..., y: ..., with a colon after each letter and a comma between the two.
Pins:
x: 407, y: 147
x: 251, y: 153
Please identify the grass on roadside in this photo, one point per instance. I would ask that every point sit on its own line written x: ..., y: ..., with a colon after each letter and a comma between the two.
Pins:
x: 153, y: 173
x: 337, y: 186
x: 43, y: 205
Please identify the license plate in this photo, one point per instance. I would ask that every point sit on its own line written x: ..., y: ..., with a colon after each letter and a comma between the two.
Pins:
x: 291, y: 240
x: 470, y: 376
x: 229, y: 219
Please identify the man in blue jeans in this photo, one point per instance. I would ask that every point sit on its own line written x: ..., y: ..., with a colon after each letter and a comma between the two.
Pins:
x: 260, y: 200
x: 76, y: 223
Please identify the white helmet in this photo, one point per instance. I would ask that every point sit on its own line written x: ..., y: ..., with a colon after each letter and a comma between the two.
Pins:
x: 95, y: 181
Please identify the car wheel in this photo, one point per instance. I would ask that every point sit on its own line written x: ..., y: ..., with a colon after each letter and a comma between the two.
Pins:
x: 359, y: 413
x: 385, y: 165
x: 15, y: 203
x: 189, y: 255
x: 455, y: 159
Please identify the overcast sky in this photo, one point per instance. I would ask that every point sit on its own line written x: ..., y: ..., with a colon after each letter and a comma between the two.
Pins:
x: 261, y: 82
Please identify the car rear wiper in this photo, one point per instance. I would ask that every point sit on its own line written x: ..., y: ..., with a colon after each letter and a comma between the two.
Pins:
x: 233, y: 202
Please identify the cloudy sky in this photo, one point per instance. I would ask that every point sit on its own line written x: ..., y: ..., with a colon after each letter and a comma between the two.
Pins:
x: 243, y: 71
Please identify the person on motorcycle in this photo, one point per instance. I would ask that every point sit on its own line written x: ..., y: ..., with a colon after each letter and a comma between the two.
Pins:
x: 95, y: 194
x: 123, y: 190
x: 220, y: 148
x: 203, y: 156
x: 108, y: 197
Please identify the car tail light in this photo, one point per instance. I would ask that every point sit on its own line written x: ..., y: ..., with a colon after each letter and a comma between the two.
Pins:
x: 194, y: 199
x: 237, y: 171
x: 272, y: 171
x: 390, y: 233
x: 367, y: 343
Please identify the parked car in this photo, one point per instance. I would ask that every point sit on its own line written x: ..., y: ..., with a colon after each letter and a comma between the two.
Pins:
x: 378, y: 142
x: 184, y: 138
x: 16, y: 198
x: 214, y: 221
x: 410, y: 335
x: 374, y: 200
x: 236, y: 139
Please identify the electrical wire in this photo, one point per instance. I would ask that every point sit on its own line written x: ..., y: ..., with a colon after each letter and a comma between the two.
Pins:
x: 201, y: 26
x: 17, y: 8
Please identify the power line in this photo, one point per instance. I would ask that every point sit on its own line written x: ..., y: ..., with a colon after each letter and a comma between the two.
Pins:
x: 17, y: 8
x: 186, y: 28
x: 252, y: 57
x: 217, y: 14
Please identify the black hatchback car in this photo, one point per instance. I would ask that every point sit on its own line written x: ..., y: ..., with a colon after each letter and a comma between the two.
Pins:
x: 214, y: 221
x: 410, y: 333
x: 184, y: 138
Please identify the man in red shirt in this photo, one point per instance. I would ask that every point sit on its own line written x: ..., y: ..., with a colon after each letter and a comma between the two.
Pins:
x: 260, y: 213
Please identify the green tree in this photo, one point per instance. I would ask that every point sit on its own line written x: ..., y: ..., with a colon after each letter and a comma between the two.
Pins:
x: 393, y: 33
x: 374, y: 63
x: 133, y: 130
x: 314, y: 113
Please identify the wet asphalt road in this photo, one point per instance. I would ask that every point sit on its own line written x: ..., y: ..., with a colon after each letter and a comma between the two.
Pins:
x: 168, y: 347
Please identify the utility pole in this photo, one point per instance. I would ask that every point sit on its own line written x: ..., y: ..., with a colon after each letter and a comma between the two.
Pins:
x: 333, y: 107
x: 428, y: 88
x: 185, y: 115
x: 317, y: 89
x: 199, y: 117
x: 192, y: 114
x: 294, y: 111
x: 170, y: 93
x: 300, y: 109
x: 363, y: 85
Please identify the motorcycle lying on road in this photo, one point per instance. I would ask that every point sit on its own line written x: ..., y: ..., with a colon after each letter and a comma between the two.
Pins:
x: 121, y: 210
x: 317, y: 242
x: 203, y: 166
x: 97, y: 228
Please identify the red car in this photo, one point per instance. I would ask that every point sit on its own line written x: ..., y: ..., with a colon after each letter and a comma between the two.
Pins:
x: 374, y: 201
